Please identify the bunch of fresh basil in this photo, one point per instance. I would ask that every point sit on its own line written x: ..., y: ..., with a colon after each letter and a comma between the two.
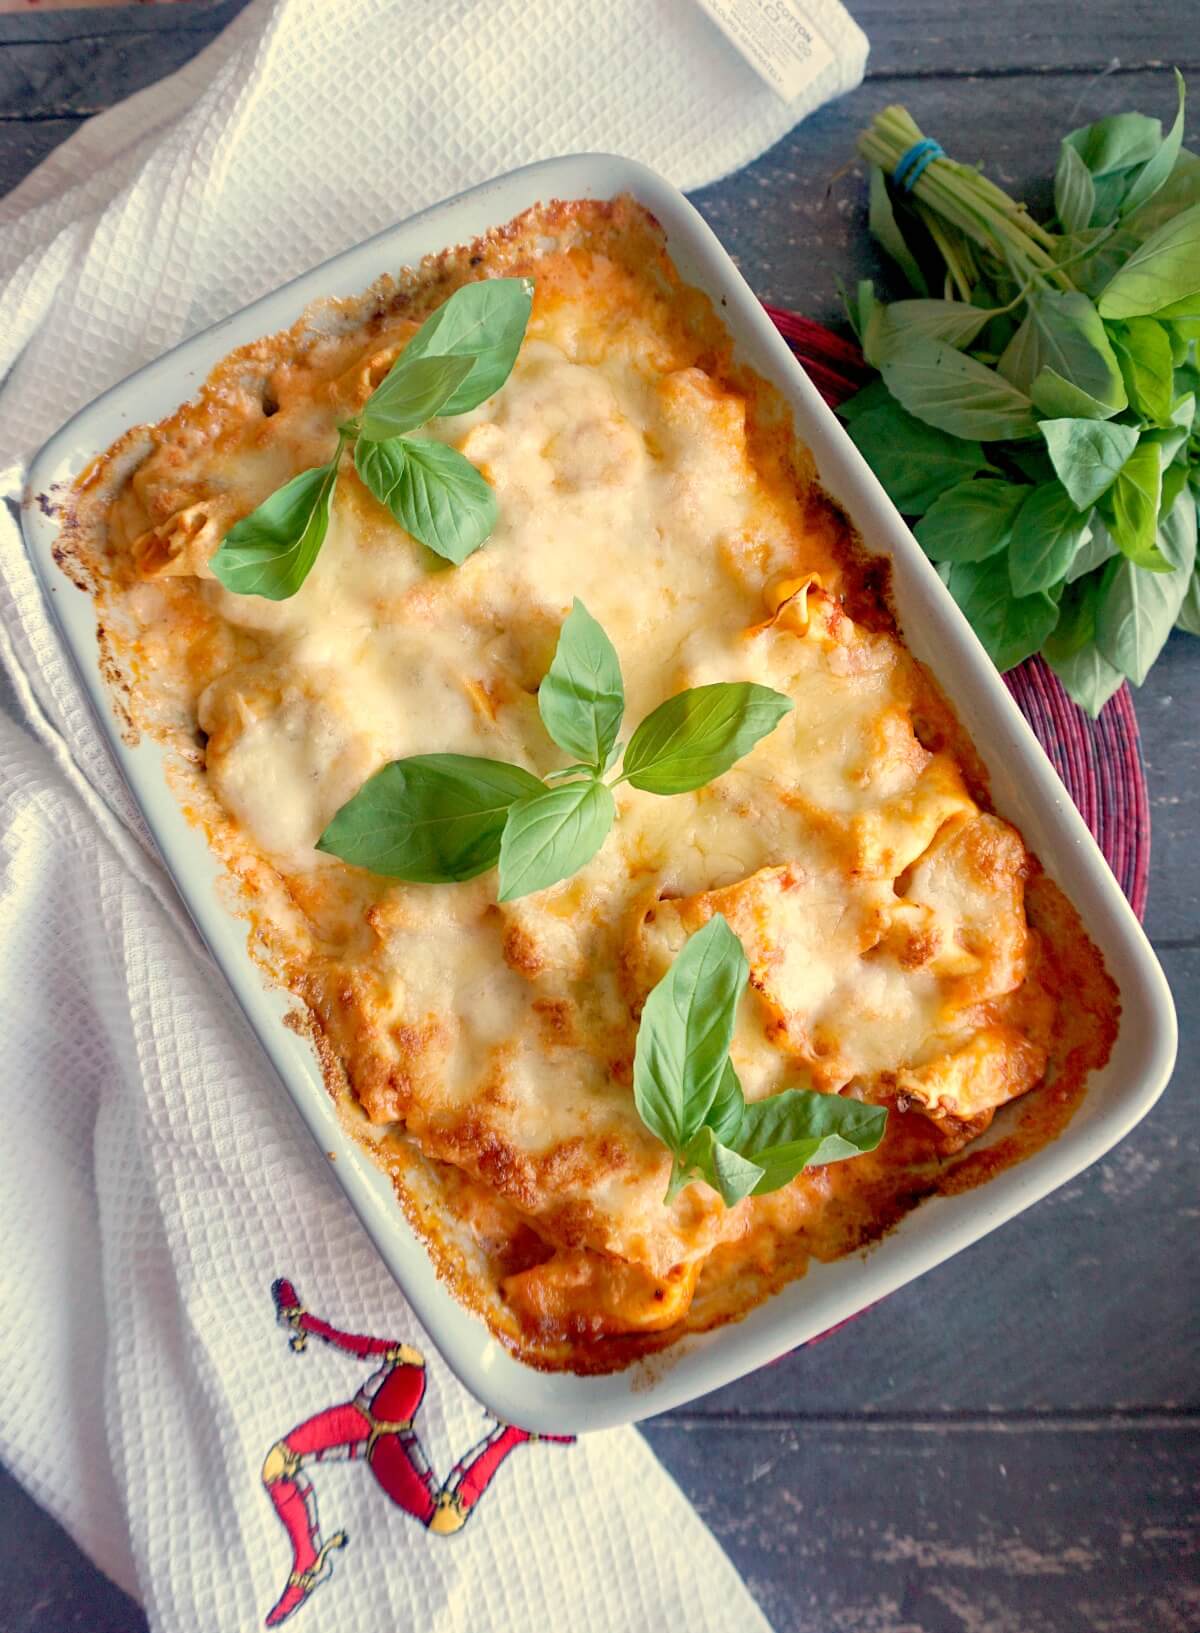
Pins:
x: 1041, y: 419
x: 456, y: 359
x: 688, y: 1094
x: 440, y: 818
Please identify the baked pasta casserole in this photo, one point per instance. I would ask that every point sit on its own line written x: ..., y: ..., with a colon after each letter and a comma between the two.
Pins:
x: 904, y: 947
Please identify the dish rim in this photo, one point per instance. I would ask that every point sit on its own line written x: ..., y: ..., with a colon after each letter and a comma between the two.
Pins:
x: 1025, y: 787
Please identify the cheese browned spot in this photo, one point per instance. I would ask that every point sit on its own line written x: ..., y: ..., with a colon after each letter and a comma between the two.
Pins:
x: 483, y: 1051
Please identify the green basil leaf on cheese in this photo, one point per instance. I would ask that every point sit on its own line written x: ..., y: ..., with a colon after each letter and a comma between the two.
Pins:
x: 485, y: 322
x: 730, y: 1174
x: 551, y: 834
x: 698, y: 734
x: 413, y: 392
x: 432, y: 490
x: 431, y: 819
x: 788, y: 1132
x: 679, y: 1064
x: 271, y: 552
x: 582, y: 698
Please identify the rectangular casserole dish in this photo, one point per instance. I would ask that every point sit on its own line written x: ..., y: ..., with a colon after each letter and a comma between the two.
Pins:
x: 1025, y: 790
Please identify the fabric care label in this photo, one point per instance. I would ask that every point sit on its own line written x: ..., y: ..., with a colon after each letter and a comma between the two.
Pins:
x: 777, y: 39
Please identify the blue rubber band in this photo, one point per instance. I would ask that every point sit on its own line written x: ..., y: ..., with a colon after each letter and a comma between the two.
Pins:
x: 913, y: 164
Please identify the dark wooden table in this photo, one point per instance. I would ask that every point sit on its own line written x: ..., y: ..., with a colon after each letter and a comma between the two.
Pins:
x: 1012, y: 1445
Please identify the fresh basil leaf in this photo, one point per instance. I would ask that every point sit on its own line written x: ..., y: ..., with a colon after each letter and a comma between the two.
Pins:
x: 1187, y: 381
x: 1057, y: 398
x: 785, y: 1133
x: 1174, y: 480
x: 1170, y: 442
x: 730, y: 1175
x: 1093, y: 552
x: 875, y: 395
x: 1087, y: 455
x: 1046, y: 534
x: 1178, y: 193
x: 1076, y: 627
x: 1143, y: 349
x: 1131, y: 508
x: 859, y: 306
x: 1088, y: 678
x: 582, y: 699
x: 956, y: 394
x: 971, y: 521
x: 881, y: 219
x: 551, y: 834
x: 913, y: 461
x: 1183, y: 412
x: 271, y: 552
x: 697, y: 735
x: 1117, y: 144
x: 1011, y: 628
x: 1110, y: 194
x: 1157, y: 169
x: 431, y: 819
x: 725, y: 1114
x: 867, y: 315
x: 953, y: 322
x: 1137, y: 609
x: 1162, y: 277
x: 1189, y: 611
x: 683, y: 1038
x: 1107, y: 250
x: 1032, y: 460
x: 484, y: 321
x: 410, y: 394
x: 1062, y: 344
x: 435, y: 493
x: 1074, y: 190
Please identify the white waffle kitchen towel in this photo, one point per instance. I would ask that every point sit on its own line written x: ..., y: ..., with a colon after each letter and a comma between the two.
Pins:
x: 154, y: 1180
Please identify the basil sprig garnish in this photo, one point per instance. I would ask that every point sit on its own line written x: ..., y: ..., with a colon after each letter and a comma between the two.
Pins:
x: 458, y: 357
x: 271, y: 551
x: 438, y: 818
x: 688, y: 1094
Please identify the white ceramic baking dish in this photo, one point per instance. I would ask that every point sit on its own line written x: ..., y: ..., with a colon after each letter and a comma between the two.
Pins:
x: 1025, y: 787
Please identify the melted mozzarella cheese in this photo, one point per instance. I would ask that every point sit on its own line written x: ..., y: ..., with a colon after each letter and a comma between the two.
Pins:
x: 881, y: 911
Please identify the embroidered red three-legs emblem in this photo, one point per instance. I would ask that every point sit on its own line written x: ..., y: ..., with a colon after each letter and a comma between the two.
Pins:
x: 377, y: 1426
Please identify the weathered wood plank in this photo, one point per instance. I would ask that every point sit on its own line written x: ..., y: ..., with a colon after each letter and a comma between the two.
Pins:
x: 53, y: 64
x: 82, y: 77
x: 22, y: 146
x: 47, y: 1584
x: 1168, y: 711
x: 54, y: 28
x: 934, y: 39
x: 1055, y: 1530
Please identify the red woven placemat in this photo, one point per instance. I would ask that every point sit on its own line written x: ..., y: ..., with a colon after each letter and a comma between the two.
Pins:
x: 1100, y: 761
